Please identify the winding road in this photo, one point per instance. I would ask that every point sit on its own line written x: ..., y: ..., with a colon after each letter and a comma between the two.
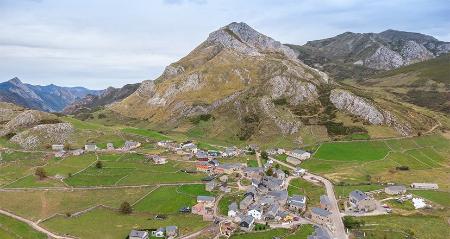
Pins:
x: 338, y: 225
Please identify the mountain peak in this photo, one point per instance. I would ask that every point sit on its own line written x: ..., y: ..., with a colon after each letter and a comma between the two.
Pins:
x: 15, y: 81
x: 244, y: 39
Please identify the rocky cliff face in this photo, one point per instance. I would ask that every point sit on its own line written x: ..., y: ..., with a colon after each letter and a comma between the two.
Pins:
x: 25, y: 120
x: 50, y: 98
x: 45, y: 134
x: 369, y: 111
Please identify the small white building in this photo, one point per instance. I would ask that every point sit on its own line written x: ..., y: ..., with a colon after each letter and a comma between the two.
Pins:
x: 424, y: 186
x: 255, y: 212
x: 110, y: 146
x: 299, y: 154
x: 90, y: 147
x: 135, y: 234
x: 57, y: 147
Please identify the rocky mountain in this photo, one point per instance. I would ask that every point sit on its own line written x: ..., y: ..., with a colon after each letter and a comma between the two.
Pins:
x: 247, y: 85
x: 32, y: 129
x: 50, y: 98
x: 108, y: 96
x: 353, y: 55
x: 426, y: 84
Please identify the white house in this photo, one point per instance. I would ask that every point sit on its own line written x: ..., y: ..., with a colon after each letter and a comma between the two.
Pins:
x: 90, y: 147
x: 256, y: 212
x: 299, y: 154
x: 57, y: 147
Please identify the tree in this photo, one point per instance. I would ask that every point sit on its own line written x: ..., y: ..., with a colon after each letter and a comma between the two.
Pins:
x: 125, y: 208
x: 269, y: 172
x: 351, y: 223
x: 286, y: 172
x: 99, y: 164
x: 41, y: 173
x: 264, y: 155
x: 277, y: 166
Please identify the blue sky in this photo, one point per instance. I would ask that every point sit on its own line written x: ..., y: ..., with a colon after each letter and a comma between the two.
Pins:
x: 100, y: 43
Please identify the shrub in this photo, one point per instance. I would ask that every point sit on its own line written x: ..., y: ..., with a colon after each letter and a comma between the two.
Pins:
x: 101, y: 116
x: 264, y: 155
x: 351, y: 223
x: 40, y: 172
x: 203, y: 117
x: 125, y: 208
x: 10, y: 135
x: 402, y: 168
x: 50, y: 121
x: 280, y: 101
x: 99, y: 164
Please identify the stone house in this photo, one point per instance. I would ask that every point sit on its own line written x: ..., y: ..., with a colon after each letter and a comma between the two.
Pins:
x: 320, y: 216
x: 395, y: 190
x: 362, y: 201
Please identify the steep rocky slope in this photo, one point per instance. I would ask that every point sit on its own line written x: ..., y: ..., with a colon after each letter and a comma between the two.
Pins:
x: 353, y: 55
x: 108, y: 96
x: 50, y: 98
x: 44, y: 134
x: 248, y: 85
x: 236, y: 70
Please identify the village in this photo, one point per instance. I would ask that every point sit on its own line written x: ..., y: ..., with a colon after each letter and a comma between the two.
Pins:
x: 265, y: 200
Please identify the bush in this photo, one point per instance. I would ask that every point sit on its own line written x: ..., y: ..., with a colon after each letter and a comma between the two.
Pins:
x: 125, y: 208
x: 402, y: 168
x: 84, y: 116
x: 40, y: 172
x: 101, y: 116
x: 203, y: 117
x: 264, y: 155
x: 10, y: 135
x: 50, y: 121
x: 99, y: 164
x: 351, y: 223
x: 280, y: 101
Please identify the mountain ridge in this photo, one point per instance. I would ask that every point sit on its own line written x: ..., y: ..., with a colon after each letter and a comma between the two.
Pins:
x: 255, y: 86
x: 364, y: 54
x: 50, y: 98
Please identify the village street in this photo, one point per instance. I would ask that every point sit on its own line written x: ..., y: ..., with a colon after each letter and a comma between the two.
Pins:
x: 338, y: 225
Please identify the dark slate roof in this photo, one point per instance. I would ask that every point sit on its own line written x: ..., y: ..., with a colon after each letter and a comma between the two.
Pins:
x: 358, y: 195
x: 135, y: 233
x: 320, y: 211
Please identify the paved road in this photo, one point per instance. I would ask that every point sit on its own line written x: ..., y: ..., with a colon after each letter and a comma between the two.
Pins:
x: 34, y: 225
x: 339, y: 229
x: 258, y: 158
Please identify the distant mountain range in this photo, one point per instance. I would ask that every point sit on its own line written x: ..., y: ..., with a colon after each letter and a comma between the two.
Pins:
x: 50, y: 98
x: 351, y: 55
x: 92, y: 102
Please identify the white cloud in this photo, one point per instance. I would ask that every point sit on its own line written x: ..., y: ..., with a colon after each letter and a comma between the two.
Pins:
x: 106, y: 42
